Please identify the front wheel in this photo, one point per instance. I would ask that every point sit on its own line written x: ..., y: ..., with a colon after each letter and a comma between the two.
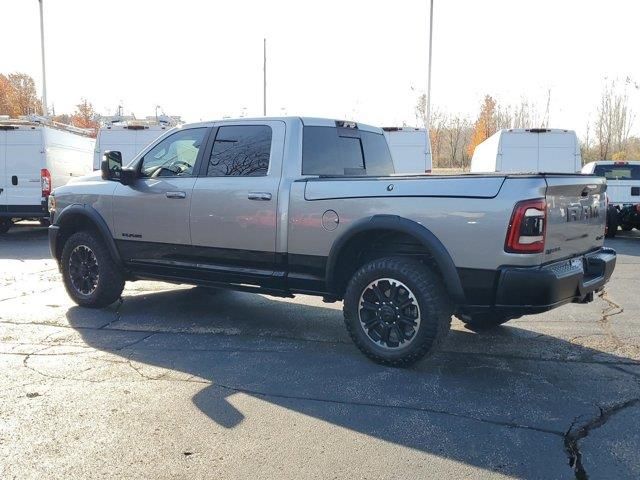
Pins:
x: 396, y: 311
x: 91, y: 277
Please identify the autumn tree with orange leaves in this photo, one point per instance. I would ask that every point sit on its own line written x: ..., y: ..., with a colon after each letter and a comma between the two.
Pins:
x: 18, y: 95
x: 486, y: 125
x: 86, y: 117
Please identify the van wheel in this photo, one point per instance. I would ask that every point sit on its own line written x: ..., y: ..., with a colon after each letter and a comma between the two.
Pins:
x: 396, y: 311
x: 91, y: 277
x: 483, y: 321
x: 5, y: 224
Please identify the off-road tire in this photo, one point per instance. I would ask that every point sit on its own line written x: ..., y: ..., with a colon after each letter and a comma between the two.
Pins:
x: 110, y: 282
x: 5, y: 224
x: 432, y: 299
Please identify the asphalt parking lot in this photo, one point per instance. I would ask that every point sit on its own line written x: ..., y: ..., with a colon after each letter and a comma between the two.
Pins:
x: 181, y: 382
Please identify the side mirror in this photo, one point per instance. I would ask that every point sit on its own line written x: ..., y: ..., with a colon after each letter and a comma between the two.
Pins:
x: 111, y: 165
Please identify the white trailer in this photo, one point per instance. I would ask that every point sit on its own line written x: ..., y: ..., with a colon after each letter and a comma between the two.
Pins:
x: 36, y: 156
x: 129, y: 136
x: 531, y: 150
x: 410, y: 149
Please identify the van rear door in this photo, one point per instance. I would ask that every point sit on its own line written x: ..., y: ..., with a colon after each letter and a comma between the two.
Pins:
x: 557, y: 152
x: 24, y: 158
x: 576, y: 215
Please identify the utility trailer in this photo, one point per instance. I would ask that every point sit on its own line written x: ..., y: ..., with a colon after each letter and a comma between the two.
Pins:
x: 36, y: 156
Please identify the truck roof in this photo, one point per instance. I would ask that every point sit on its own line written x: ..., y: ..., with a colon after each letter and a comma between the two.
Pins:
x: 306, y: 121
x: 614, y: 162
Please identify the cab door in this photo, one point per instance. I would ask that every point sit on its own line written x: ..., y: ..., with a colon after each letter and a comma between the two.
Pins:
x: 151, y: 216
x: 235, y: 201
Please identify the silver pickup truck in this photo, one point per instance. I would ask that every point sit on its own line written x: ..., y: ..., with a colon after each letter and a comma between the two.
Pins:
x: 304, y: 205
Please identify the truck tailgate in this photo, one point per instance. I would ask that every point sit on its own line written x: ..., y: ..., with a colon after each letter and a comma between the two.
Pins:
x: 576, y: 215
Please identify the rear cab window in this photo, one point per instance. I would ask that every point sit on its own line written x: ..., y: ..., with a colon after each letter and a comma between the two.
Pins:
x: 336, y: 151
x: 622, y: 171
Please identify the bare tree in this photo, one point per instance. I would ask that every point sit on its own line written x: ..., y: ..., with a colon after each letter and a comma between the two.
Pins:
x: 614, y: 119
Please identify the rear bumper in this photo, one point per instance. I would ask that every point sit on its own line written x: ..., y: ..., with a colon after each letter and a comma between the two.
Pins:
x: 533, y: 290
x: 25, y: 211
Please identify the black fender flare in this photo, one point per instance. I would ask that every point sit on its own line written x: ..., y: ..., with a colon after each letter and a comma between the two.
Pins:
x: 93, y: 216
x: 403, y: 225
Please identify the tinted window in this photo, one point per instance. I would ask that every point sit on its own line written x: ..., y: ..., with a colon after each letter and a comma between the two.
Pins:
x: 175, y: 156
x: 240, y: 151
x: 376, y: 154
x: 618, y: 172
x: 335, y: 151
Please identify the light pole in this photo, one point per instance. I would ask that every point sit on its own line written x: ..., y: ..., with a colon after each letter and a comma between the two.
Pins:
x: 44, y: 76
x: 428, y: 99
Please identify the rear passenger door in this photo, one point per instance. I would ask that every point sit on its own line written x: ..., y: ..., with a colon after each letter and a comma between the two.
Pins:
x: 235, y: 201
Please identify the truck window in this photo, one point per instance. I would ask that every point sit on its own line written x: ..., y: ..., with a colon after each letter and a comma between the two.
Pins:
x: 330, y: 151
x: 175, y: 156
x: 240, y: 151
x: 618, y: 172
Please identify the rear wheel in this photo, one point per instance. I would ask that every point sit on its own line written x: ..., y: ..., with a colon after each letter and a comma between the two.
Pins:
x: 396, y: 311
x: 5, y: 224
x: 612, y: 223
x: 91, y: 277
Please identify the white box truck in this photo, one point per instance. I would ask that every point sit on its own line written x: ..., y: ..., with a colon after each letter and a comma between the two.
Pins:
x: 129, y: 136
x: 36, y: 156
x: 410, y: 149
x: 531, y: 150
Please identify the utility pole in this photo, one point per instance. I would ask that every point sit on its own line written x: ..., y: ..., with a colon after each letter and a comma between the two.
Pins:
x: 264, y: 78
x: 44, y: 76
x: 428, y: 110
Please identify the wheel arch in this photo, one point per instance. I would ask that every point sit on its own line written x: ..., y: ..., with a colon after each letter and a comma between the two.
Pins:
x: 77, y: 217
x: 393, y: 223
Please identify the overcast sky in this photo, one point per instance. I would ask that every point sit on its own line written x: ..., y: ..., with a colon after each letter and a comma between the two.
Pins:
x: 361, y: 60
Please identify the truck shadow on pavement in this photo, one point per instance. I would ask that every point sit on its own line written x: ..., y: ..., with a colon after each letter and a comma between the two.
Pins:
x: 510, y: 401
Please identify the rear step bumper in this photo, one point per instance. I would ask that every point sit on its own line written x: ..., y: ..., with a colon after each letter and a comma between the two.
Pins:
x: 533, y: 290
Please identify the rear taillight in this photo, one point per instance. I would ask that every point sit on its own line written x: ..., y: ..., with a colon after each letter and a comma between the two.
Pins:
x: 527, y: 227
x: 45, y: 182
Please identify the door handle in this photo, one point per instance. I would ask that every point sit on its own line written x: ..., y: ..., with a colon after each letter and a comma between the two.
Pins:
x: 264, y: 196
x: 176, y: 195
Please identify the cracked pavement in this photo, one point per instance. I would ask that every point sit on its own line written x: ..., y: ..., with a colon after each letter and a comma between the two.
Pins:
x: 176, y: 381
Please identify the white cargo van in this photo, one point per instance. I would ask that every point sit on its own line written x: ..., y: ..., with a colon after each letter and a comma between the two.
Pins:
x: 129, y: 136
x: 410, y: 149
x: 36, y: 156
x: 531, y: 150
